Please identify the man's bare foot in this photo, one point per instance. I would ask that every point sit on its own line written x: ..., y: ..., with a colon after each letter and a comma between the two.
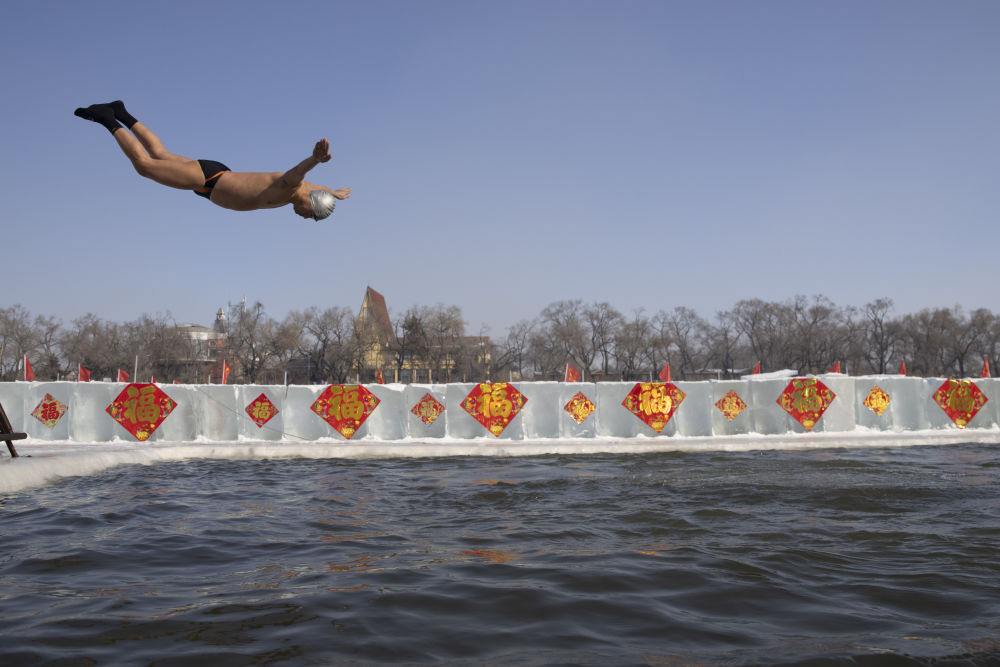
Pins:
x: 342, y: 193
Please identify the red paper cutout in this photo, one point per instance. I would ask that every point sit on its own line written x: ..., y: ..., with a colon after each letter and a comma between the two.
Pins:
x: 345, y: 407
x: 428, y: 409
x: 140, y: 409
x: 579, y: 407
x: 49, y: 411
x: 960, y: 400
x: 806, y: 400
x: 494, y: 405
x: 261, y: 410
x: 731, y: 405
x: 877, y: 400
x: 654, y: 403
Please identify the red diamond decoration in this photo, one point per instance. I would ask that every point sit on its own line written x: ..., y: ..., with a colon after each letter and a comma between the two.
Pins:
x: 806, y: 400
x: 731, y: 405
x: 140, y: 409
x: 960, y: 400
x: 345, y: 407
x: 494, y: 405
x: 579, y: 407
x: 877, y: 400
x: 49, y: 411
x: 261, y: 410
x: 654, y: 402
x: 428, y: 409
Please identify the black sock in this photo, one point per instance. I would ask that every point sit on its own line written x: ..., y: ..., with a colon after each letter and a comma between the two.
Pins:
x: 127, y: 119
x: 102, y: 114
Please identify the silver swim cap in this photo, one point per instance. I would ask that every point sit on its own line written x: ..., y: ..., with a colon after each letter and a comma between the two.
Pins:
x: 322, y: 202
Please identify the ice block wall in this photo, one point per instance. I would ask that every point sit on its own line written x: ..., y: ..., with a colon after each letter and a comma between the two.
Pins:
x: 219, y: 413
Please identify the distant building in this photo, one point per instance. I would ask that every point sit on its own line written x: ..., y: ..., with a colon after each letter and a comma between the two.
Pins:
x: 208, y: 348
x: 375, y: 334
x: 401, y: 360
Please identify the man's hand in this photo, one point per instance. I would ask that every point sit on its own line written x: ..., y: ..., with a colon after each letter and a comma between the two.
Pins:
x: 321, y: 153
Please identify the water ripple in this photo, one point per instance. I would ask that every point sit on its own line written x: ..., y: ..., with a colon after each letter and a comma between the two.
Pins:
x: 813, y: 557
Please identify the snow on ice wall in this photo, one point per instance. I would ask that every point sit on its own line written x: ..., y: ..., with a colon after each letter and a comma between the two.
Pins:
x: 217, y: 412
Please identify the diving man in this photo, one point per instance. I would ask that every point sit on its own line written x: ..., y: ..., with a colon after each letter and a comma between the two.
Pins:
x: 235, y: 190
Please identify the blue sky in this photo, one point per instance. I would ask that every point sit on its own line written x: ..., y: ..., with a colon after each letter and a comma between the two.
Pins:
x: 506, y: 155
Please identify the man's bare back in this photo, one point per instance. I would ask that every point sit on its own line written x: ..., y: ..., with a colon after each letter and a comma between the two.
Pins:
x: 251, y: 190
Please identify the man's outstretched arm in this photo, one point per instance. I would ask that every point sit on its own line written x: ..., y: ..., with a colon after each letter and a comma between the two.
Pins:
x: 294, y: 176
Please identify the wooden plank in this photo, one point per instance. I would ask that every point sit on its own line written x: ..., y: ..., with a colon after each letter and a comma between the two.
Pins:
x: 9, y: 431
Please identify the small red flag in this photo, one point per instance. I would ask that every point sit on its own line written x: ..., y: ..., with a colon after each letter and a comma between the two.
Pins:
x: 756, y: 369
x: 902, y: 368
x: 665, y: 373
x: 835, y: 368
x: 82, y: 374
x: 226, y: 370
x: 29, y: 373
x: 986, y: 368
x: 572, y: 375
x: 122, y: 376
x: 378, y: 375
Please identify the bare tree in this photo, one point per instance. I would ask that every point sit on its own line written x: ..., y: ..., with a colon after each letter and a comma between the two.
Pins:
x: 970, y: 342
x: 248, y: 340
x: 328, y: 344
x: 85, y: 343
x: 723, y: 348
x: 516, y: 347
x: 45, y: 360
x: 632, y: 347
x: 603, y: 323
x: 685, y: 330
x: 17, y: 338
x: 817, y: 327
x: 563, y: 322
x: 548, y: 355
x: 444, y: 329
x: 762, y: 325
x: 926, y: 341
x: 283, y: 340
x: 159, y: 343
x: 881, y: 338
x: 475, y: 357
x: 412, y: 341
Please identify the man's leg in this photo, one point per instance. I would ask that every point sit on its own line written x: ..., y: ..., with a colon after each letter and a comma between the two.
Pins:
x: 149, y: 141
x: 150, y: 159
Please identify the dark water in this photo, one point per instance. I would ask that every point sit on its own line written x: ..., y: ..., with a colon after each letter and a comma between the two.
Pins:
x: 881, y: 557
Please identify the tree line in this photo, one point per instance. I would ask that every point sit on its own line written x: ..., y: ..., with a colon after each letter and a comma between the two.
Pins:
x: 805, y: 334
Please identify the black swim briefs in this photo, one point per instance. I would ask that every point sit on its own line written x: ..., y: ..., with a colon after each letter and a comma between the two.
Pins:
x: 212, y: 171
